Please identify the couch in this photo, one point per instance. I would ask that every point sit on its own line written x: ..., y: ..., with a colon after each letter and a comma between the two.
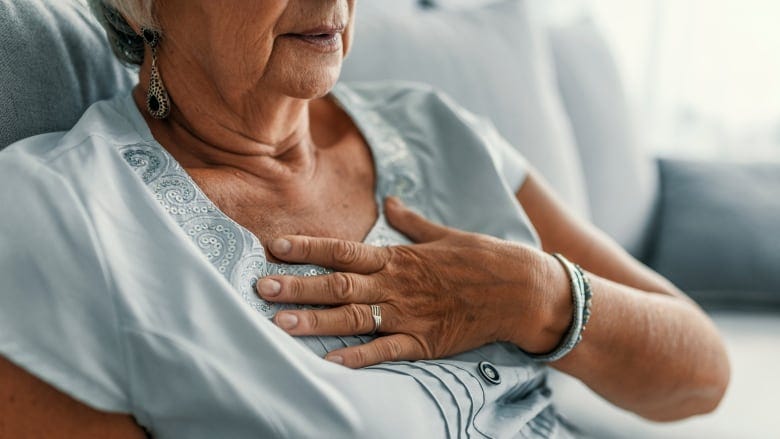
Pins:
x: 555, y: 93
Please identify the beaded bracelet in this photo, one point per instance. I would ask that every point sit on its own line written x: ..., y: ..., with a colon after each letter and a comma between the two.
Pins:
x: 582, y: 295
x: 588, y: 298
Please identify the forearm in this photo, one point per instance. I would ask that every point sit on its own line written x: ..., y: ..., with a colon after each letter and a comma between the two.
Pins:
x: 648, y: 347
x: 30, y: 407
x: 653, y: 354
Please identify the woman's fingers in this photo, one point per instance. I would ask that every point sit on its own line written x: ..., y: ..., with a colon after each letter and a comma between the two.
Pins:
x: 329, y: 289
x: 337, y: 254
x: 412, y: 224
x: 395, y: 347
x: 345, y: 320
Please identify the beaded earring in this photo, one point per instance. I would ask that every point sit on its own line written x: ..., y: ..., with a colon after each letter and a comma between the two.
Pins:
x: 158, y: 103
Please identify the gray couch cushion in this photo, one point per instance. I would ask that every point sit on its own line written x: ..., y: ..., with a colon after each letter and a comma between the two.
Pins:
x: 54, y: 62
x: 719, y: 232
x: 621, y: 179
x: 491, y: 60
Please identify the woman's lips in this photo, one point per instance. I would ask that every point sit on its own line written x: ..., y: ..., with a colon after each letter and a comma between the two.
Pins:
x: 320, y: 40
x: 324, y: 39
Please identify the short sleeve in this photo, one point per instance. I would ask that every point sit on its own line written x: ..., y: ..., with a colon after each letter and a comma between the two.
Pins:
x: 57, y: 316
x: 512, y: 166
x: 510, y: 163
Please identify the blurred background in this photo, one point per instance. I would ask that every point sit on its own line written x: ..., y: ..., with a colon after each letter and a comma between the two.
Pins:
x: 703, y: 73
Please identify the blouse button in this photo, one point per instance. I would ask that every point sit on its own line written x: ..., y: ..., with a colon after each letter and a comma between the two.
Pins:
x: 489, y: 372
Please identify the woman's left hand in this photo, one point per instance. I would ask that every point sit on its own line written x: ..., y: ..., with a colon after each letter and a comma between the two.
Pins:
x: 450, y: 292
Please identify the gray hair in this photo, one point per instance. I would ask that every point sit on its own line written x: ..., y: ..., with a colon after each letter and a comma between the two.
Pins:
x: 114, y: 15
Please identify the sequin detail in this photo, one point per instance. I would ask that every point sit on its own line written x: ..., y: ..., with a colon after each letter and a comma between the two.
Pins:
x: 234, y: 251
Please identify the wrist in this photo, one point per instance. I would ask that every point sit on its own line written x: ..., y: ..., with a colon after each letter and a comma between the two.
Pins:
x: 553, y: 310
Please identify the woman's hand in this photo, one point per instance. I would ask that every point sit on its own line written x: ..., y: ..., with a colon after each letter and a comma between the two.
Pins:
x: 451, y: 292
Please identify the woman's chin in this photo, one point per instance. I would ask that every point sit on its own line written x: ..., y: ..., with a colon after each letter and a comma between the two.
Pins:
x: 311, y: 84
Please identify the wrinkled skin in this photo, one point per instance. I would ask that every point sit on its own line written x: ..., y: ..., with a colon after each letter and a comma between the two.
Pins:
x: 436, y: 300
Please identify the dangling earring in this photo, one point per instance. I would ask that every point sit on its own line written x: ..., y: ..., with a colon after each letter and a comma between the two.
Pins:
x: 158, y: 103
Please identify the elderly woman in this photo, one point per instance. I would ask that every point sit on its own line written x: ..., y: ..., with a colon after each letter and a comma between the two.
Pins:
x: 157, y: 274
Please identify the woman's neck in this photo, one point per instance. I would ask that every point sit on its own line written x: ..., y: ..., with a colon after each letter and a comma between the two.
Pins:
x: 271, y: 140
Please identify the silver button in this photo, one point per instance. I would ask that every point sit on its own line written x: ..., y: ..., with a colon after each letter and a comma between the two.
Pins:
x: 489, y: 372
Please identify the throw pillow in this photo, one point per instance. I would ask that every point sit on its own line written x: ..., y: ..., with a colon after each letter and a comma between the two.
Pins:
x: 718, y: 232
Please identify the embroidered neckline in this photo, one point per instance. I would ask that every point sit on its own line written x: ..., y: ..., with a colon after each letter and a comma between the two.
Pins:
x: 235, y: 252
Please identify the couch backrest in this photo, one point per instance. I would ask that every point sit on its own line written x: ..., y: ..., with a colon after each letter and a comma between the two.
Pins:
x: 622, y: 179
x: 54, y: 62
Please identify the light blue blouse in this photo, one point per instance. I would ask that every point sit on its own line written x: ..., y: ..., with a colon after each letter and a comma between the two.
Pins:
x: 124, y: 286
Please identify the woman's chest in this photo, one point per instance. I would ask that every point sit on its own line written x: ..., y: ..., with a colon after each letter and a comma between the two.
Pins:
x: 337, y: 200
x: 332, y: 216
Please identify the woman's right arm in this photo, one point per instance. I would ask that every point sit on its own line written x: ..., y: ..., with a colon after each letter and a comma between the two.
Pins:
x: 57, y: 317
x: 30, y: 408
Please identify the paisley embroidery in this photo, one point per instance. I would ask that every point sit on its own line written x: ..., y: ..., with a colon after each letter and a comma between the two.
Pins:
x: 234, y: 251
x: 148, y: 165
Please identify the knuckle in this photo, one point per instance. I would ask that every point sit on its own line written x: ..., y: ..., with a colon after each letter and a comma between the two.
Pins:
x: 392, y: 349
x: 386, y: 256
x: 294, y: 289
x: 341, y: 287
x: 395, y: 262
x: 360, y: 355
x: 304, y: 248
x: 354, y: 317
x: 312, y: 320
x: 346, y: 252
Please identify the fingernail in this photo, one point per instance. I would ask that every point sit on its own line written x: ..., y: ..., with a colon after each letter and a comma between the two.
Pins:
x: 335, y: 359
x: 269, y: 287
x: 395, y: 201
x: 281, y: 246
x: 287, y: 321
